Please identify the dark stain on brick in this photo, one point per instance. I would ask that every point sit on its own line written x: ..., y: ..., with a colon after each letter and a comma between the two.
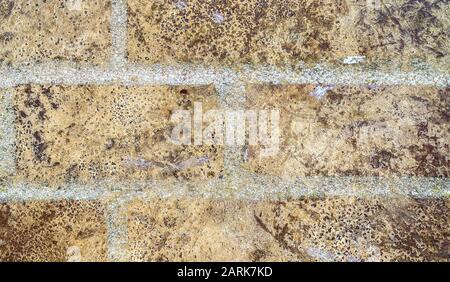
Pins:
x: 257, y: 255
x: 6, y: 37
x: 422, y: 129
x: 430, y: 161
x: 5, y: 213
x: 381, y: 159
x: 33, y: 231
x: 6, y: 8
x: 410, y: 22
x: 279, y: 236
x: 39, y: 146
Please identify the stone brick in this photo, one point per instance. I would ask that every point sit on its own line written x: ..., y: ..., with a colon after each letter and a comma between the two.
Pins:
x: 53, y: 30
x: 198, y: 230
x: 280, y: 32
x: 400, y: 229
x: 89, y: 133
x: 52, y: 231
x: 355, y: 130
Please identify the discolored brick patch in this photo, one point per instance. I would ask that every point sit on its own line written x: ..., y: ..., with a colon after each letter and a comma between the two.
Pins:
x: 401, y: 229
x: 89, y: 133
x: 53, y: 30
x: 355, y: 130
x: 52, y: 231
x: 279, y: 32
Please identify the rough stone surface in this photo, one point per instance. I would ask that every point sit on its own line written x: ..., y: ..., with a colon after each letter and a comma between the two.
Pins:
x: 52, y: 30
x: 331, y: 130
x: 88, y: 89
x: 197, y: 230
x: 77, y: 133
x: 280, y: 32
x: 52, y: 231
x: 350, y: 229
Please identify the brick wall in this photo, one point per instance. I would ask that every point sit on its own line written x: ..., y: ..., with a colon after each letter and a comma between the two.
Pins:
x: 88, y: 87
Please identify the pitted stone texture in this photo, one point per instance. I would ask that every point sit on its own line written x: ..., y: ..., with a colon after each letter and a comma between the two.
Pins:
x: 280, y: 32
x: 355, y: 130
x: 52, y: 231
x: 90, y: 133
x: 52, y: 30
x: 198, y: 230
x: 386, y: 229
x: 349, y: 229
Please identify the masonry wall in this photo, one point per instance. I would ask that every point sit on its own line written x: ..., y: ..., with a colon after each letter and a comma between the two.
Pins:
x: 88, y: 87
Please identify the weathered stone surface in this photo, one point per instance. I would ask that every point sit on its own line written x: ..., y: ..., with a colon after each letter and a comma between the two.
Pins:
x: 88, y: 133
x: 280, y: 32
x: 52, y: 231
x: 355, y: 130
x: 198, y: 230
x: 49, y: 30
x: 349, y: 229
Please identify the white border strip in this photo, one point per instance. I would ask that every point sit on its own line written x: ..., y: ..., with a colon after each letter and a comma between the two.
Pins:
x: 117, y: 230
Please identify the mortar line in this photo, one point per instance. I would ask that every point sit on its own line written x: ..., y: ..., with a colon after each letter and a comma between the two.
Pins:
x: 118, y: 26
x: 20, y: 193
x: 7, y: 134
x: 137, y: 75
x: 117, y: 228
x: 246, y: 186
x: 232, y: 95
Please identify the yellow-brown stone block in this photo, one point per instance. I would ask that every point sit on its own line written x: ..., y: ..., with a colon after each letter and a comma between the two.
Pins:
x: 355, y: 130
x: 52, y: 30
x: 350, y: 229
x: 280, y: 32
x: 198, y: 230
x: 89, y: 133
x: 52, y: 231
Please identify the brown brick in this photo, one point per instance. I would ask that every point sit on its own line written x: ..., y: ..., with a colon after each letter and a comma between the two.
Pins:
x: 88, y: 133
x: 355, y: 130
x: 52, y: 231
x: 281, y: 32
x: 53, y: 30
x: 198, y: 230
x: 400, y: 229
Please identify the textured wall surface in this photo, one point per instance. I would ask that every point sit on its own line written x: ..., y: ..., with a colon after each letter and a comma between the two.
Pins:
x: 90, y: 169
